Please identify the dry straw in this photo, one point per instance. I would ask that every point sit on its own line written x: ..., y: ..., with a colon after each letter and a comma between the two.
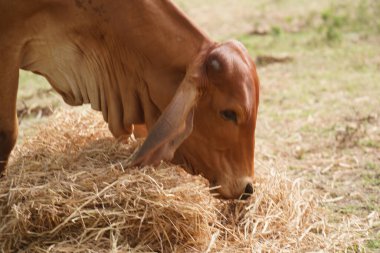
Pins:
x: 66, y: 191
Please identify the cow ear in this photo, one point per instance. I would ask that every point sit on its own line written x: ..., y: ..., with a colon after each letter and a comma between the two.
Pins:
x: 176, y: 122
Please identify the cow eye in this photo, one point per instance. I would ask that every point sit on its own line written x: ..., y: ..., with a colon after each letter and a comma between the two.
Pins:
x: 229, y: 115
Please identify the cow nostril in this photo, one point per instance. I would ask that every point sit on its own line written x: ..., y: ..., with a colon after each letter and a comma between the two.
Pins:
x: 247, y: 192
x: 249, y: 189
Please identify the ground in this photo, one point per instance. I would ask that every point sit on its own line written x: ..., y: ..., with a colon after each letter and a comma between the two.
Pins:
x: 319, y: 118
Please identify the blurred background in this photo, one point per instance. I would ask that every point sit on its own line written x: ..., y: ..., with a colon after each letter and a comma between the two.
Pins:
x: 319, y: 118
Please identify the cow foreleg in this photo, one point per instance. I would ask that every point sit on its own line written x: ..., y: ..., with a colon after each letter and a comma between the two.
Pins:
x: 131, y: 133
x: 8, y: 118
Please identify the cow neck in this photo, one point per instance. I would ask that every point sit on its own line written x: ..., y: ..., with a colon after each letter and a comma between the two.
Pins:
x: 159, y: 43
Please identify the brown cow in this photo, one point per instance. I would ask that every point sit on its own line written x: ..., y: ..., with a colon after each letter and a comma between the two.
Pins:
x: 139, y: 62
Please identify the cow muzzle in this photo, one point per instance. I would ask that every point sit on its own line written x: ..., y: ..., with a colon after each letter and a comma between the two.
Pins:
x: 236, y: 189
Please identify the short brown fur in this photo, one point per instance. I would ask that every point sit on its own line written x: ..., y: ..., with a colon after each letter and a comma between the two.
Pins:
x: 139, y: 63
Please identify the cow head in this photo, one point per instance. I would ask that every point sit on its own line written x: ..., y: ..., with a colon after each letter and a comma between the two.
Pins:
x: 210, y: 123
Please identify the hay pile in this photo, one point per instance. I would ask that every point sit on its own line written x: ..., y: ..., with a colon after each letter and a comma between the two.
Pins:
x: 66, y: 191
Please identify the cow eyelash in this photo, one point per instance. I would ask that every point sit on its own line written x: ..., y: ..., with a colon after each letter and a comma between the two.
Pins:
x: 229, y: 115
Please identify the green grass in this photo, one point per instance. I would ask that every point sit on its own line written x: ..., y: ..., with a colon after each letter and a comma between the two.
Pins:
x: 374, y: 244
x: 372, y: 166
x: 370, y: 144
x: 372, y: 180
